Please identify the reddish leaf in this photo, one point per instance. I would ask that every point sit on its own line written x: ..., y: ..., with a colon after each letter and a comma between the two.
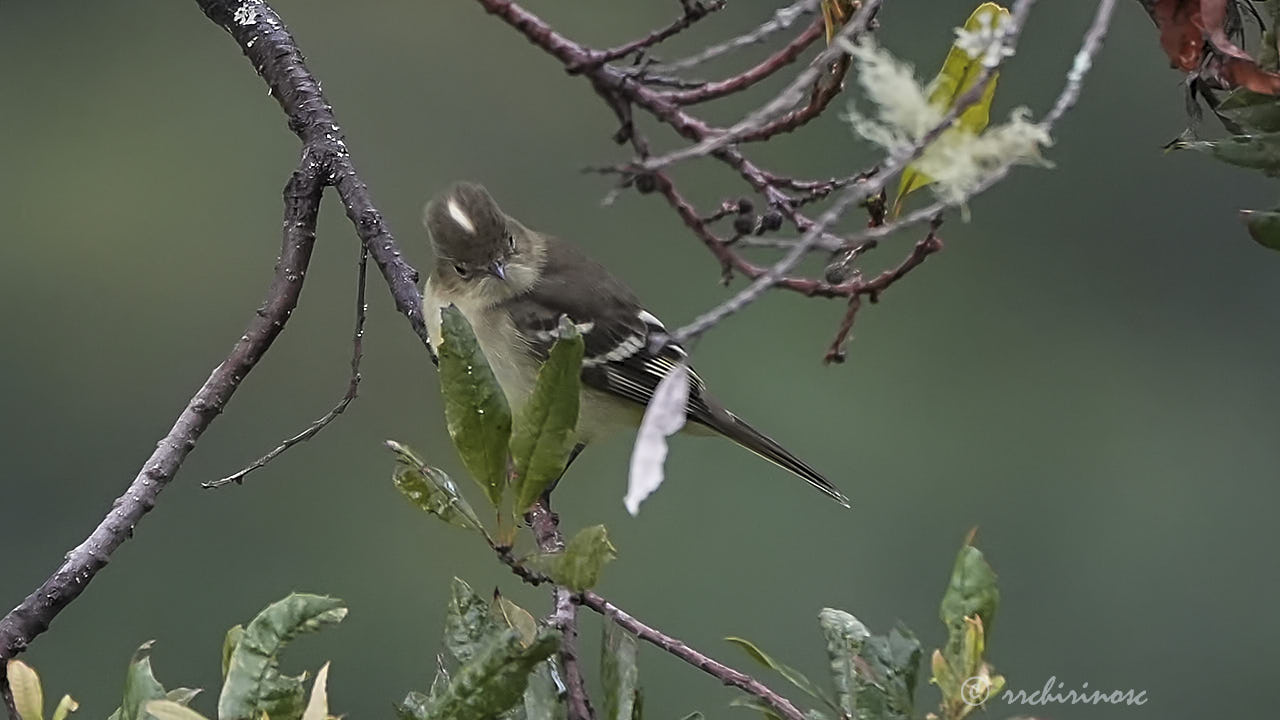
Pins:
x: 1180, y: 33
x: 1186, y: 25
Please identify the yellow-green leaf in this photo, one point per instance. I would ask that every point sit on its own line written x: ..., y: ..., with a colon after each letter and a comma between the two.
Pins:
x: 543, y: 435
x: 318, y: 705
x: 66, y: 706
x: 28, y: 697
x: 958, y: 75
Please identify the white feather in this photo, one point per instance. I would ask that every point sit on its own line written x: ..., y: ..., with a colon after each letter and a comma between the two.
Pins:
x: 460, y: 217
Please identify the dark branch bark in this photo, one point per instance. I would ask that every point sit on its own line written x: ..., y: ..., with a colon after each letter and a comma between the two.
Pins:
x: 564, y: 617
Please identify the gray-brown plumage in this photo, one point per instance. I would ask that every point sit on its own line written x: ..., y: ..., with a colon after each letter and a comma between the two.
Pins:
x: 513, y: 284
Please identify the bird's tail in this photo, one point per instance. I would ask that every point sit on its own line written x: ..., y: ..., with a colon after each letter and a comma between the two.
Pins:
x: 737, y: 430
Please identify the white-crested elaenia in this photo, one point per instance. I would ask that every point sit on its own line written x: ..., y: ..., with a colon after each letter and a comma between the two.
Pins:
x: 513, y: 285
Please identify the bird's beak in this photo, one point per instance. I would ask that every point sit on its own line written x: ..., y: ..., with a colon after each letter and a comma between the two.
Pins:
x: 499, y: 270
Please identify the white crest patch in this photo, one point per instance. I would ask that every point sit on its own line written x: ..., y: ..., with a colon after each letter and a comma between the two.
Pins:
x: 460, y: 217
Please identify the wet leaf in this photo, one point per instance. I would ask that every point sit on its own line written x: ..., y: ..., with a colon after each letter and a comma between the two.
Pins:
x: 254, y: 684
x: 477, y: 413
x: 752, y: 702
x: 958, y: 75
x: 489, y: 685
x: 28, y: 695
x: 140, y: 684
x: 844, y: 635
x: 468, y: 622
x: 619, y: 673
x: 432, y: 490
x: 887, y: 675
x: 971, y: 591
x: 543, y: 435
x: 1252, y: 112
x: 542, y: 697
x: 578, y: 566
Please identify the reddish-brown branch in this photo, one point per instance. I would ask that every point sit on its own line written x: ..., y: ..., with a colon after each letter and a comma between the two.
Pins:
x: 694, y: 10
x: 546, y: 532
x: 751, y: 76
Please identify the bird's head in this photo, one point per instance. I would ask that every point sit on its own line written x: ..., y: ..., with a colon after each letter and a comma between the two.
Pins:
x: 477, y: 246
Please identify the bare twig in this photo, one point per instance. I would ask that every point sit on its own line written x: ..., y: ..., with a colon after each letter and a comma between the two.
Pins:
x: 353, y: 387
x: 782, y: 19
x: 764, y: 69
x: 694, y: 10
x: 725, y: 674
x: 1089, y: 49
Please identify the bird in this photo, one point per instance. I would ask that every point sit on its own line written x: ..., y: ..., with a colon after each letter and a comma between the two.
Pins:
x: 513, y: 284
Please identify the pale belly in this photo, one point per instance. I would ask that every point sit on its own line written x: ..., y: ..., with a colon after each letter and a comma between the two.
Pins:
x: 516, y: 371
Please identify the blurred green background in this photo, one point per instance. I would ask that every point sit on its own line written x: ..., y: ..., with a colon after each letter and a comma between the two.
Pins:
x: 1088, y: 372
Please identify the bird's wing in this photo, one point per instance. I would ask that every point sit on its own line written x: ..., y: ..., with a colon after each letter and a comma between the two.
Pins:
x: 616, y: 329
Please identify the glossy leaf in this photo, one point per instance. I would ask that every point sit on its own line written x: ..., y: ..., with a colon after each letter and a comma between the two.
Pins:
x: 170, y: 710
x: 1264, y: 227
x: 959, y: 73
x: 140, y: 685
x: 477, y: 413
x: 887, y: 674
x: 543, y: 434
x: 431, y: 489
x: 254, y: 684
x: 578, y: 566
x: 793, y: 676
x: 752, y: 702
x: 182, y: 696
x: 468, y: 622
x: 619, y: 673
x: 66, y: 706
x: 844, y: 635
x: 489, y: 685
x: 970, y: 591
x: 1250, y: 112
x: 28, y: 695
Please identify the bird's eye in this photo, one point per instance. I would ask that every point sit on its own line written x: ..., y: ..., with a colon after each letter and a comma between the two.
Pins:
x: 511, y: 242
x: 462, y: 271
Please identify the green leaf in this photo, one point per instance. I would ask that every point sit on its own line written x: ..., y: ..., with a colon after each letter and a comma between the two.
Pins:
x: 1252, y: 112
x: 542, y: 697
x: 958, y: 75
x: 490, y: 684
x: 695, y: 715
x: 971, y: 591
x: 468, y: 622
x: 752, y: 702
x: 511, y: 615
x: 254, y: 684
x: 182, y: 696
x: 170, y: 710
x: 140, y: 684
x: 1258, y: 152
x: 543, y: 435
x: 887, y: 675
x: 432, y: 490
x: 229, y: 645
x: 478, y: 416
x: 66, y: 706
x: 1264, y: 227
x: 28, y: 696
x: 619, y: 673
x: 318, y: 705
x: 844, y: 635
x: 793, y: 676
x: 578, y: 567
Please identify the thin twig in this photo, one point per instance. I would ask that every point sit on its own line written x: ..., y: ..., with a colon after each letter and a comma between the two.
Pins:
x: 694, y: 10
x: 782, y: 19
x: 744, y: 80
x: 353, y: 387
x: 1089, y: 49
x: 725, y: 674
